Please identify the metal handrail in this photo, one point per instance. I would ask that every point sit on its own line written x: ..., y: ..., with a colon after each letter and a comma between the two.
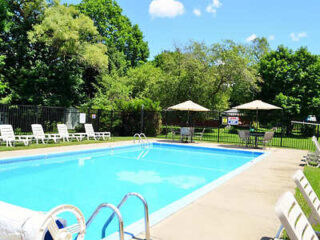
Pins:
x: 146, y: 214
x: 115, y: 212
x: 136, y: 135
x: 142, y: 135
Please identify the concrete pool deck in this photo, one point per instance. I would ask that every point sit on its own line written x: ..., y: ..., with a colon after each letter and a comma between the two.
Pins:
x: 241, y: 208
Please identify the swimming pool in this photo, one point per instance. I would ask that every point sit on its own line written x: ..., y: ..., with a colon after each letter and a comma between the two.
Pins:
x: 169, y: 176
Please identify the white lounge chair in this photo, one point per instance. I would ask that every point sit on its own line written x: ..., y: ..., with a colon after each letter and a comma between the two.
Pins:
x: 96, y: 135
x: 39, y: 134
x: 309, y: 195
x: 293, y: 219
x: 66, y: 136
x: 8, y: 136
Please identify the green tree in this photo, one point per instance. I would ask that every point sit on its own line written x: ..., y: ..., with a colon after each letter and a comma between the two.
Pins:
x: 19, y: 58
x: 260, y: 47
x: 47, y: 66
x: 124, y: 41
x: 72, y: 36
x: 235, y: 71
x: 146, y: 81
x: 292, y: 81
x: 5, y: 24
x: 111, y: 92
x: 210, y: 75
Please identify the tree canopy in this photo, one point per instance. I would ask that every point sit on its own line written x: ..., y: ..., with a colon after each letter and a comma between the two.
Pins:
x: 292, y: 81
x: 92, y: 55
x: 123, y: 39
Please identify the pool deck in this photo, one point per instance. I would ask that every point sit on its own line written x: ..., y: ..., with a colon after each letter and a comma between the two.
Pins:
x: 241, y: 208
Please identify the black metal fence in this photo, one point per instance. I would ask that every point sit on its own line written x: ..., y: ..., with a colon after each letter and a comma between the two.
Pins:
x: 120, y: 123
x: 160, y: 124
x: 218, y: 129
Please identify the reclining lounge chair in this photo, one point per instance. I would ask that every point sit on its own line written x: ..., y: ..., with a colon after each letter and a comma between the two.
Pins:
x: 8, y: 136
x: 39, y: 134
x: 293, y: 219
x: 96, y: 135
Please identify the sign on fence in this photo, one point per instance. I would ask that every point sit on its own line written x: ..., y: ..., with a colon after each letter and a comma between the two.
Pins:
x: 82, y: 118
x: 233, y: 120
x: 224, y: 120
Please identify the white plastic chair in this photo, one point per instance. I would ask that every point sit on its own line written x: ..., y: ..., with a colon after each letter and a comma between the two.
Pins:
x: 309, y: 195
x: 65, y: 136
x: 8, y: 136
x: 293, y: 219
x: 39, y: 135
x: 96, y: 135
x: 317, y: 145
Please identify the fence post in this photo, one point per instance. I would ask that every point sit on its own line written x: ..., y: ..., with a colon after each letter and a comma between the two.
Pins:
x: 99, y: 114
x: 166, y: 123
x: 219, y: 127
x: 111, y: 121
x: 281, y: 136
x: 141, y: 128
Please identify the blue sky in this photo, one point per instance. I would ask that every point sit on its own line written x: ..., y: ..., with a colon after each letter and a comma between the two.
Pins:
x: 166, y: 23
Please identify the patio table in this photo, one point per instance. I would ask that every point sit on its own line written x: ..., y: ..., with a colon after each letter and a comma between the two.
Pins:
x: 256, y: 136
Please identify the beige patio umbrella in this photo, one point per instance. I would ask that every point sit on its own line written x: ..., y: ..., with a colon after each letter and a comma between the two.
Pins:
x: 257, y: 105
x: 190, y: 107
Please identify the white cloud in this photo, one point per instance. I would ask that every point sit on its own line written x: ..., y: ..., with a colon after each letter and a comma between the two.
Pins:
x: 251, y: 38
x: 212, y: 7
x: 166, y: 8
x: 297, y: 36
x: 271, y: 37
x: 217, y: 3
x: 197, y: 12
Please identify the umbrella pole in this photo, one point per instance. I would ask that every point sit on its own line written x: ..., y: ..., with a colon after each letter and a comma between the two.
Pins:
x: 188, y: 119
x: 257, y: 119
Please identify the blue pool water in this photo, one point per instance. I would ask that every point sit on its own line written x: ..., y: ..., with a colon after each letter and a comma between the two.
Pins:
x: 162, y: 173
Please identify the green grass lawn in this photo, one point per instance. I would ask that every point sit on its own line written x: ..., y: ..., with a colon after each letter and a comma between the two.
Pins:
x: 34, y: 145
x: 313, y: 176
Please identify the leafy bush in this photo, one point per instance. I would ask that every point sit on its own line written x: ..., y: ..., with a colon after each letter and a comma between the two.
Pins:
x: 131, y: 117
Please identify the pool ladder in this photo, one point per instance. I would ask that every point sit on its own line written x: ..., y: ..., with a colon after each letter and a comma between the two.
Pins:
x: 142, y: 138
x: 116, y: 212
